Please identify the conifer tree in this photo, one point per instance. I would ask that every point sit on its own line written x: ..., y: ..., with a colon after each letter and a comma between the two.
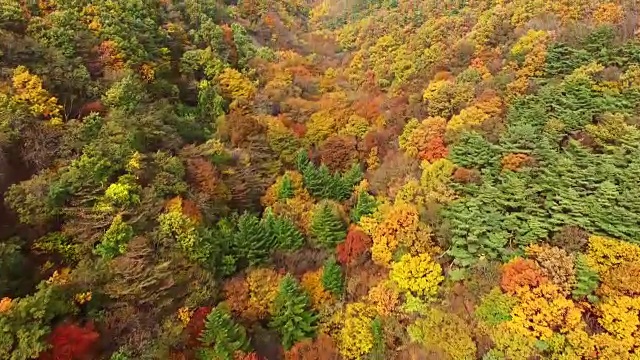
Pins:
x: 332, y: 278
x: 286, y: 188
x: 587, y: 280
x: 292, y: 318
x: 252, y: 240
x: 365, y: 205
x: 352, y: 177
x: 283, y: 232
x: 222, y: 337
x: 327, y: 227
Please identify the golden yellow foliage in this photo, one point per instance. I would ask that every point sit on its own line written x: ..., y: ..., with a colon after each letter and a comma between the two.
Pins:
x: 603, y: 253
x: 445, y: 332
x: 608, y: 13
x: 620, y: 316
x: 28, y: 90
x: 528, y: 42
x: 82, y: 298
x: 355, y: 339
x: 394, y: 225
x: 469, y: 117
x: 544, y: 310
x: 236, y: 85
x: 184, y: 315
x: 263, y: 289
x: 384, y: 297
x: 312, y: 283
x: 419, y: 275
x: 60, y: 277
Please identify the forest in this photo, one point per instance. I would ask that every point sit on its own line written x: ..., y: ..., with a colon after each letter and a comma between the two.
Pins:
x: 319, y: 179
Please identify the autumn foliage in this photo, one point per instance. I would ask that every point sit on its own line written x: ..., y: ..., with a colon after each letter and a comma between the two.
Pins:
x: 72, y: 342
x: 355, y: 244
x: 520, y: 273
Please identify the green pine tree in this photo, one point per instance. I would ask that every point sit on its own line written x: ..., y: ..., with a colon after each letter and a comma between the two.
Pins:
x: 293, y: 317
x: 327, y: 227
x: 252, y: 240
x: 378, y: 350
x: 353, y: 176
x: 284, y: 233
x: 332, y: 278
x: 222, y: 337
x: 365, y: 205
x: 587, y: 280
x: 285, y: 191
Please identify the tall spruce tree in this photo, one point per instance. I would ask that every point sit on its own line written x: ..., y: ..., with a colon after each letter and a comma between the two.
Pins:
x: 365, y: 205
x: 332, y: 278
x: 283, y: 232
x: 285, y: 191
x: 293, y: 317
x: 221, y: 337
x: 326, y: 226
x: 252, y: 240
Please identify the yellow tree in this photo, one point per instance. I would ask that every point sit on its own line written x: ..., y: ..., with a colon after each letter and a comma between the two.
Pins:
x: 28, y: 91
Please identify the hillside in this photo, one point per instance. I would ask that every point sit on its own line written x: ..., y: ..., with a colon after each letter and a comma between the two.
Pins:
x: 300, y: 180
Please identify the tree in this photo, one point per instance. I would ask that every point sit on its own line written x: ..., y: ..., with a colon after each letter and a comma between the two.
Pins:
x: 365, y: 205
x: 286, y: 190
x: 284, y: 233
x: 221, y: 337
x: 332, y: 277
x: 252, y: 240
x: 70, y: 341
x: 418, y: 275
x: 356, y: 244
x: 292, y: 316
x: 115, y: 239
x: 26, y: 324
x: 326, y: 226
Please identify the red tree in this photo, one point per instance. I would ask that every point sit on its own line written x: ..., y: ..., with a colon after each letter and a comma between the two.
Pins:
x: 196, y: 325
x: 353, y: 247
x: 71, y: 342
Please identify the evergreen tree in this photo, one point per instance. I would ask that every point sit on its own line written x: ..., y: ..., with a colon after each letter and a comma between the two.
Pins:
x: 378, y: 351
x: 293, y: 318
x: 252, y: 240
x: 587, y: 280
x: 365, y: 205
x: 352, y: 177
x: 222, y: 337
x: 283, y: 232
x: 286, y: 188
x: 327, y: 227
x: 332, y: 278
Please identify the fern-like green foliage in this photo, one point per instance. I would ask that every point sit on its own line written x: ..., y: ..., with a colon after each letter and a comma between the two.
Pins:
x: 326, y: 226
x: 332, y: 277
x: 293, y: 317
x: 599, y: 46
x: 222, y: 337
x: 587, y: 280
x: 285, y: 191
x: 323, y: 184
x: 284, y: 233
x: 365, y: 205
x: 572, y: 185
x: 495, y: 308
x: 252, y: 240
x: 474, y: 151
